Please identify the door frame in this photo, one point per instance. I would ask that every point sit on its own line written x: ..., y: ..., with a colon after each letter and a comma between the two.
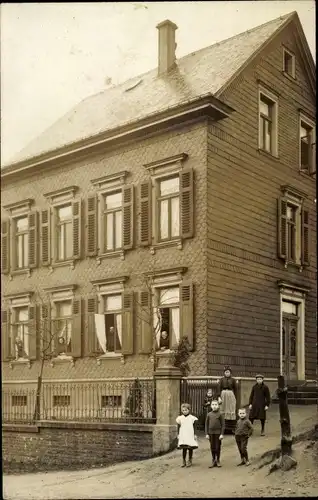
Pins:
x: 297, y: 297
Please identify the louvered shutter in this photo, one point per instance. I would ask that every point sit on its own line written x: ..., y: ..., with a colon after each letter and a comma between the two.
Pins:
x: 305, y: 260
x: 91, y: 239
x: 186, y: 313
x: 128, y: 217
x: 45, y: 238
x: 282, y: 228
x: 145, y: 213
x: 46, y: 331
x: 146, y: 329
x: 5, y: 246
x: 77, y: 228
x: 5, y: 336
x: 313, y: 157
x: 186, y: 203
x: 128, y: 326
x: 91, y: 339
x: 76, y: 328
x: 33, y: 343
x: 33, y: 239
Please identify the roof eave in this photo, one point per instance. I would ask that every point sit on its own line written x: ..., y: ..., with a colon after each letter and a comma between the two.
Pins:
x: 207, y: 105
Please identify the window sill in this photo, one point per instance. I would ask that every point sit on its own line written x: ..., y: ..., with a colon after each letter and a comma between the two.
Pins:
x: 20, y: 361
x: 63, y: 263
x: 269, y: 155
x: 300, y: 267
x: 110, y: 355
x: 306, y: 173
x: 290, y: 77
x: 117, y: 253
x: 18, y: 272
x: 63, y: 358
x: 166, y: 244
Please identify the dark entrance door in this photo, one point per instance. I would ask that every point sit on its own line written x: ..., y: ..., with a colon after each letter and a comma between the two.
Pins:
x: 289, y: 334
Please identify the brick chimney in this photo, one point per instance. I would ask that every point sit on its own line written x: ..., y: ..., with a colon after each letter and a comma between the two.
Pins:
x: 166, y: 46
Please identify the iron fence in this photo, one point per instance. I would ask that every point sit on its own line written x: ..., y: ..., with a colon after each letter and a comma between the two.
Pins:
x: 193, y: 391
x: 117, y: 400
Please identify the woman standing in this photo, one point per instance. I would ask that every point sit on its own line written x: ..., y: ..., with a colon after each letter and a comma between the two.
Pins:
x: 227, y: 398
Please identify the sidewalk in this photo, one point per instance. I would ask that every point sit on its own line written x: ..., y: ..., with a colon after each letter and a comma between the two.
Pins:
x: 162, y: 477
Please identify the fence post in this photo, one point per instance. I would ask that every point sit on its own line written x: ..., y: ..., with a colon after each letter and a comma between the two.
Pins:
x: 167, y: 408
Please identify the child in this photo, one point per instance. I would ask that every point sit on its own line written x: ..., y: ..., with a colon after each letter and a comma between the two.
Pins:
x: 214, y: 430
x: 243, y: 431
x: 206, y: 406
x: 259, y: 402
x: 187, y: 439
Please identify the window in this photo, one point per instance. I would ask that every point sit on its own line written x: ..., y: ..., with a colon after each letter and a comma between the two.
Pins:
x: 61, y: 400
x: 19, y: 400
x: 167, y: 317
x: 169, y: 208
x: 111, y: 401
x: 306, y: 146
x: 289, y: 63
x: 21, y: 226
x: 64, y: 226
x: 62, y: 327
x: 60, y: 228
x: 293, y: 229
x: 112, y: 341
x: 268, y: 123
x: 112, y: 221
x: 21, y: 332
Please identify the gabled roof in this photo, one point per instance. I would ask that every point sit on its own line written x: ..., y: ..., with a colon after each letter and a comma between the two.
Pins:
x: 198, y: 74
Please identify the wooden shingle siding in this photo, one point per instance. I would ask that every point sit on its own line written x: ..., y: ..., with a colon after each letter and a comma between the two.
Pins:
x: 243, y: 188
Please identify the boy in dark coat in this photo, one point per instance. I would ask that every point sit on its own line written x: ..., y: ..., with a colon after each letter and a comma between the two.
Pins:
x: 259, y: 402
x: 243, y: 431
x: 214, y: 430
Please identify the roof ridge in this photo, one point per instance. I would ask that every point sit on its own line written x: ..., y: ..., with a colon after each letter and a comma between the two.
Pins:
x: 239, y: 34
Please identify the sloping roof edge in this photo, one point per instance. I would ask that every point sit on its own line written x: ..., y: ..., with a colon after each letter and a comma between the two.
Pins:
x: 310, y: 66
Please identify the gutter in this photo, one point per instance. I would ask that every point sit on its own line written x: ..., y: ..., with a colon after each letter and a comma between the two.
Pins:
x: 204, y: 106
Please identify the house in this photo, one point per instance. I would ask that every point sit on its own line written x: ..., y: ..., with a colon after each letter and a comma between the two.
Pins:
x: 193, y: 183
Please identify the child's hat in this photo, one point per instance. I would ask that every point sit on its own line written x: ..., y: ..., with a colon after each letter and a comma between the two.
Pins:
x: 259, y: 376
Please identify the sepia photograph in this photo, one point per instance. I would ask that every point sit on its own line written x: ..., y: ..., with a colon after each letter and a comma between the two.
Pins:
x: 159, y: 250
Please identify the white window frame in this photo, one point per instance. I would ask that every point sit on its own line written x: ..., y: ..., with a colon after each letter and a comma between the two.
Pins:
x: 109, y: 287
x: 274, y: 139
x: 17, y: 210
x: 291, y: 294
x: 60, y: 294
x: 293, y: 58
x: 58, y: 199
x: 310, y: 124
x: 18, y: 301
x: 165, y: 281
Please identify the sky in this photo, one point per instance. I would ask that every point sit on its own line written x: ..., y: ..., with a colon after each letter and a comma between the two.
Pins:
x: 53, y: 55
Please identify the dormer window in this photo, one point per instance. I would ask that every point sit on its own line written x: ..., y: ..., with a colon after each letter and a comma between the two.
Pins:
x: 289, y: 66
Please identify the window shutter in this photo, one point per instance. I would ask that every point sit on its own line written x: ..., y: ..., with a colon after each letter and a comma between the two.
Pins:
x: 305, y: 238
x: 45, y: 238
x: 32, y: 333
x: 5, y: 336
x: 312, y: 168
x: 91, y: 340
x: 186, y: 202
x: 77, y: 328
x: 46, y: 331
x: 128, y: 326
x: 77, y: 233
x: 128, y: 217
x: 33, y: 239
x: 5, y: 246
x: 146, y: 331
x: 282, y: 228
x: 145, y: 213
x: 186, y: 313
x: 91, y: 240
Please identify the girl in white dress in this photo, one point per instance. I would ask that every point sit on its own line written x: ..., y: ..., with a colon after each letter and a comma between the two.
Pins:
x: 187, y: 440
